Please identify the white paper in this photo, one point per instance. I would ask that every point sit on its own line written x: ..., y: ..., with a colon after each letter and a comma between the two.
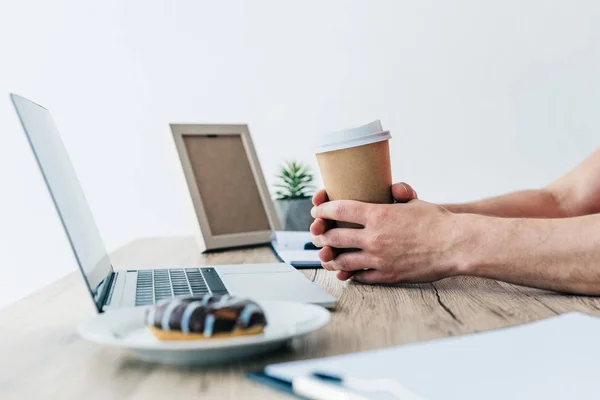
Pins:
x: 556, y: 358
x: 291, y: 240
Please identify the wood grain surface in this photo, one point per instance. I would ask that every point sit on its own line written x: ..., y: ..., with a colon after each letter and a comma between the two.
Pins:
x: 43, y: 357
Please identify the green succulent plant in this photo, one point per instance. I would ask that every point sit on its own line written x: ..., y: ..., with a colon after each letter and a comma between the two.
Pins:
x: 294, y: 181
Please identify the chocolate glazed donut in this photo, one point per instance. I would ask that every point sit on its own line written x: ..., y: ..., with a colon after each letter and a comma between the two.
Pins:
x: 207, y: 317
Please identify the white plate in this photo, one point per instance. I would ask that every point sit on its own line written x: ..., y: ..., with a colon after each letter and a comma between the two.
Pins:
x: 125, y: 328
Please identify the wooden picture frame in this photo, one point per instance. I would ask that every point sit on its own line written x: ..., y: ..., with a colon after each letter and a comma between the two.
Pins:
x: 228, y: 190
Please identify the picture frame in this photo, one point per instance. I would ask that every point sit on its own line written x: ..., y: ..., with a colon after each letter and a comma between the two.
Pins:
x: 230, y: 197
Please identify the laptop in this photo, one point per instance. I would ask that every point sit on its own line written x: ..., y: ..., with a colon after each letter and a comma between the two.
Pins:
x: 112, y: 289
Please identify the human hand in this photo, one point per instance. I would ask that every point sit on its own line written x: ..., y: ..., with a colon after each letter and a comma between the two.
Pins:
x: 402, y: 193
x: 413, y: 242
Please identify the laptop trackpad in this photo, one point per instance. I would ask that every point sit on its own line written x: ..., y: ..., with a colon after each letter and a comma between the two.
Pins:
x: 253, y: 268
x: 283, y: 284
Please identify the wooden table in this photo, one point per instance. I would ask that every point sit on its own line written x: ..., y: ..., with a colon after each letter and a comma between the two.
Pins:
x: 42, y: 356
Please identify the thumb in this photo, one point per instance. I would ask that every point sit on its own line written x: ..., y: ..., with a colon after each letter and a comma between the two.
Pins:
x: 403, y: 192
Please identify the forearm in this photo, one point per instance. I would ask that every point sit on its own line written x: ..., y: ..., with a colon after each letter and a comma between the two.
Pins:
x: 555, y: 254
x: 525, y: 204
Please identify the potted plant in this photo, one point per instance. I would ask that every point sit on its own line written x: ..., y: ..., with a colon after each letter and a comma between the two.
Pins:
x: 294, y: 189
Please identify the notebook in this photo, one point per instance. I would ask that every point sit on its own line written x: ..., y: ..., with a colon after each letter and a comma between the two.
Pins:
x: 295, y: 248
x: 555, y: 358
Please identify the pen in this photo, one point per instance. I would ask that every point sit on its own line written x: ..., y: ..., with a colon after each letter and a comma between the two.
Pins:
x: 318, y: 389
x: 364, y: 385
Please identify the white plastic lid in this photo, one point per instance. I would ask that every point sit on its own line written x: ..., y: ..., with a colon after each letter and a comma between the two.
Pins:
x: 338, y: 140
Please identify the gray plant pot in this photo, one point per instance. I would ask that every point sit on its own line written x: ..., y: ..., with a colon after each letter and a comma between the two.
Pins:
x: 295, y: 214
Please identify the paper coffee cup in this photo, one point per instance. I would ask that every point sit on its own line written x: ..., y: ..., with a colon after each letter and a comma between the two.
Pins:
x: 355, y: 164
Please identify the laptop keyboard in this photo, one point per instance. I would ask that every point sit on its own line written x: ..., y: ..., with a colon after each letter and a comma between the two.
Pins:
x: 159, y: 284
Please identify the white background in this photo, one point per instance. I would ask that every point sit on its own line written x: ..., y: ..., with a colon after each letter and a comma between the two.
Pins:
x: 481, y: 97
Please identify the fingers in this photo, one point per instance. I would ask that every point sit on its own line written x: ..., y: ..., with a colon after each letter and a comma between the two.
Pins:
x: 342, y: 210
x: 344, y: 275
x: 350, y: 261
x: 403, y: 192
x: 318, y: 227
x: 326, y: 254
x: 319, y: 197
x: 370, y: 277
x: 341, y: 238
x: 341, y: 275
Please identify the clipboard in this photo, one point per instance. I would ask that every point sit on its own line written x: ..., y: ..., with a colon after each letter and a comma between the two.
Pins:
x: 553, y: 358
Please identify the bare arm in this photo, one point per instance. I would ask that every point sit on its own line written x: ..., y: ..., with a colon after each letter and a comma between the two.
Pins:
x: 498, y: 238
x: 574, y: 194
x: 525, y: 204
x: 557, y: 254
x: 424, y: 242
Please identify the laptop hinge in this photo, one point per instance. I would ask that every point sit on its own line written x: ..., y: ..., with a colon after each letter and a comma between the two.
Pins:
x: 111, y: 288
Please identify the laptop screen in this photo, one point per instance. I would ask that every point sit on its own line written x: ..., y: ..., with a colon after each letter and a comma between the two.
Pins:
x: 67, y: 194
